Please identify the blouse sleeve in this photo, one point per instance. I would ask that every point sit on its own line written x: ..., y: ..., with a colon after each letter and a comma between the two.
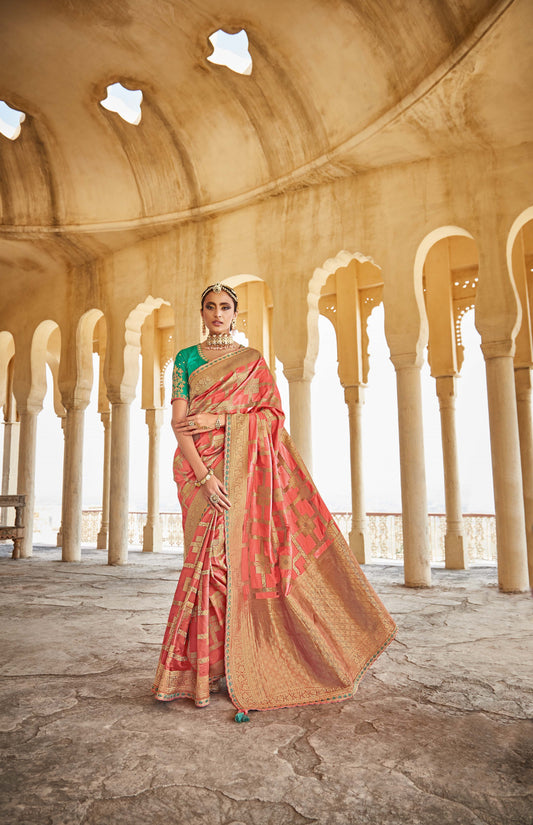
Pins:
x: 180, y: 377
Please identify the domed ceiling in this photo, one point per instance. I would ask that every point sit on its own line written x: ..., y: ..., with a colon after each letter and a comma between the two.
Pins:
x: 336, y: 88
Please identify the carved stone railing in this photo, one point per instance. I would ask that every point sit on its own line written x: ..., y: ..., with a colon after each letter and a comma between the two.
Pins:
x: 384, y: 531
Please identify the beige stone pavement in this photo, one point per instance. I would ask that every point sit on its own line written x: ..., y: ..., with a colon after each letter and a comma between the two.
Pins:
x: 440, y: 730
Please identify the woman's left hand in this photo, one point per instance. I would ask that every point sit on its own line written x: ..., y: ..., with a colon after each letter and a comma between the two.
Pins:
x: 199, y: 422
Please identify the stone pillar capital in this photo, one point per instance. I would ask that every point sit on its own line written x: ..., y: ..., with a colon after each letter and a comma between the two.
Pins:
x: 121, y: 394
x: 355, y: 394
x: 154, y: 416
x: 446, y: 386
x: 406, y: 360
x: 498, y: 349
x: 301, y: 372
x: 32, y: 408
x: 76, y: 401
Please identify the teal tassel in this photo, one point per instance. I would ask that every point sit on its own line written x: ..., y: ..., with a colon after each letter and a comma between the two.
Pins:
x: 241, y: 717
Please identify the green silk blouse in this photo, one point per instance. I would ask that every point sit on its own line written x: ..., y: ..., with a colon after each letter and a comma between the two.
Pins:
x: 187, y: 360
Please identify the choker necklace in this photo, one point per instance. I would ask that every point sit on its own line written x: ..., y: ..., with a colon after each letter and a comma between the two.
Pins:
x: 221, y: 341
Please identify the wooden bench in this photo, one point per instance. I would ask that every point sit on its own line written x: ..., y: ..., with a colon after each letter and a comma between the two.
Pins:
x: 16, y: 531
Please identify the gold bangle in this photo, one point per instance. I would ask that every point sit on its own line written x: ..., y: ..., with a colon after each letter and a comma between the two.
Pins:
x: 217, y: 423
x: 201, y: 482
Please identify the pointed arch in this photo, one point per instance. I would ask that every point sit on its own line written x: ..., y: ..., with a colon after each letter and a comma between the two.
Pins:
x: 7, y: 352
x: 45, y: 345
x: 84, y: 350
x: 132, y: 337
x: 447, y: 268
x: 524, y: 217
x: 255, y: 318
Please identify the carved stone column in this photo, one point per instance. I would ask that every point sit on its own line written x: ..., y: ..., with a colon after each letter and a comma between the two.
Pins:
x: 258, y: 329
x: 11, y: 445
x: 300, y: 412
x: 72, y: 487
x: 506, y: 468
x: 59, y: 538
x: 26, y: 475
x: 525, y: 429
x: 417, y: 566
x: 119, y: 482
x: 152, y: 528
x: 354, y: 397
x: 101, y: 539
x: 454, y: 540
x: 9, y: 462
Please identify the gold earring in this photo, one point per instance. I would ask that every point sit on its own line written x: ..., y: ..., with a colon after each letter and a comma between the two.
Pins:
x: 233, y: 324
x: 203, y: 328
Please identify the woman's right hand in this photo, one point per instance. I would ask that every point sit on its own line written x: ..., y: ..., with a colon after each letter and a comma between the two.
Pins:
x: 198, y: 423
x: 214, y: 487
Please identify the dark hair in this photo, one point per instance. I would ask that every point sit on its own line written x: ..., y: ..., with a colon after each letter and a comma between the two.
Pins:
x: 218, y: 287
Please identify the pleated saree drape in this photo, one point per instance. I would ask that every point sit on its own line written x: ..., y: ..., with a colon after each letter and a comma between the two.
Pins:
x: 270, y: 595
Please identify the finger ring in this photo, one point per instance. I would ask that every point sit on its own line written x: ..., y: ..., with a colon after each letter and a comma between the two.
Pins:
x: 192, y: 423
x: 214, y: 498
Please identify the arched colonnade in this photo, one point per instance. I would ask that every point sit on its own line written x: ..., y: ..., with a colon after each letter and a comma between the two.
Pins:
x: 449, y: 274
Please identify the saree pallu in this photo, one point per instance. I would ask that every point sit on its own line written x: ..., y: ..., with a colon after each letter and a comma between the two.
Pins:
x: 270, y: 595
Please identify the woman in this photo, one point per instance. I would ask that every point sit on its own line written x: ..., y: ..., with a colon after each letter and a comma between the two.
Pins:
x: 270, y: 595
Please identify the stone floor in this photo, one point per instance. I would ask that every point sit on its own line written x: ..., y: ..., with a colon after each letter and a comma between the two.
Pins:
x: 440, y: 730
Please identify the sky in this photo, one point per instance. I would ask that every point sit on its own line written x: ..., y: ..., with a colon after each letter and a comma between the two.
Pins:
x: 331, y: 469
x: 10, y: 120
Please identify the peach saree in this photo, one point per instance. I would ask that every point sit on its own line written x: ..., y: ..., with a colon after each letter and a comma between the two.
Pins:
x: 270, y: 595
